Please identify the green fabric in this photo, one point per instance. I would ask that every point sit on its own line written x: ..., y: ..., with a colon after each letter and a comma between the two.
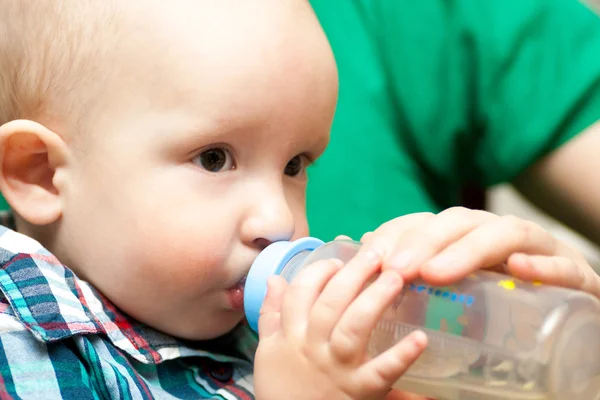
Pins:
x: 437, y: 94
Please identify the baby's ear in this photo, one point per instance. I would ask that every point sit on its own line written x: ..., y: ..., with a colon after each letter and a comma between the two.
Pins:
x: 31, y: 155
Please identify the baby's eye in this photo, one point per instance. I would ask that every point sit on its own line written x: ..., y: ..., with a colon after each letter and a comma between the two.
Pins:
x: 217, y: 159
x: 295, y: 166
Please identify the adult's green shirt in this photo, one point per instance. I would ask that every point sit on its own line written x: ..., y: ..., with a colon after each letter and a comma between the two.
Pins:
x: 437, y: 94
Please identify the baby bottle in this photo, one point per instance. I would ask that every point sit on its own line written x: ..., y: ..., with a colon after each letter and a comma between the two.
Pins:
x: 490, y: 336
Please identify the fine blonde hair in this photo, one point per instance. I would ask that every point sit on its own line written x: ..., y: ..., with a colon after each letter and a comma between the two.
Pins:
x: 50, y: 54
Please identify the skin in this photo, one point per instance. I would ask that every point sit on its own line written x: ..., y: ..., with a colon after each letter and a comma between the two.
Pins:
x: 564, y: 183
x: 133, y: 208
x: 138, y: 203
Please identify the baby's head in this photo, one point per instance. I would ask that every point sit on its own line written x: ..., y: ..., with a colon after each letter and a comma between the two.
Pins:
x: 156, y: 147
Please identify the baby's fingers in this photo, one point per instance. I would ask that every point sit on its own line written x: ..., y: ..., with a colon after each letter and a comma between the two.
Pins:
x: 555, y: 270
x: 380, y: 373
x: 350, y: 336
x: 270, y: 321
x: 302, y: 293
x: 339, y: 293
x: 488, y: 245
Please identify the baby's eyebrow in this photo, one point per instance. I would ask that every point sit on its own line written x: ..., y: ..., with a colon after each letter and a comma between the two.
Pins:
x: 193, y: 129
x: 219, y: 126
x: 216, y: 133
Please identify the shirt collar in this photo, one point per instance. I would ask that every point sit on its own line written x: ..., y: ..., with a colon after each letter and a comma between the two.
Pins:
x: 54, y: 304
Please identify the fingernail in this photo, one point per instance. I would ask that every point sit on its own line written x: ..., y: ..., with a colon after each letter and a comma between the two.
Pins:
x: 370, y: 253
x: 420, y: 339
x: 271, y: 282
x: 401, y: 260
x: 390, y: 278
x: 439, y: 263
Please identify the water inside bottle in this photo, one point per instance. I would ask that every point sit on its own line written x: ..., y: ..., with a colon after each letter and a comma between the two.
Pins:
x: 458, y: 368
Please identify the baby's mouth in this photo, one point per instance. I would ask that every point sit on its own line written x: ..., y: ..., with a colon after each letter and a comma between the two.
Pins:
x: 236, y: 295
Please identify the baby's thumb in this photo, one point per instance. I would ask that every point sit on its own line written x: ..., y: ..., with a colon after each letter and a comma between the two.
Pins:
x: 269, y: 321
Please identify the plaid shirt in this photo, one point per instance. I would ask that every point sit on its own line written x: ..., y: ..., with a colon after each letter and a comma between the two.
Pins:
x: 60, y: 338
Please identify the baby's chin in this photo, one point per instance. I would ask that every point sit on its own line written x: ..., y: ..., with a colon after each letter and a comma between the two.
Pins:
x: 202, y: 328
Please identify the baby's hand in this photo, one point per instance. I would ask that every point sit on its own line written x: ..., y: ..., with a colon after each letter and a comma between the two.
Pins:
x: 314, y: 334
x: 446, y: 247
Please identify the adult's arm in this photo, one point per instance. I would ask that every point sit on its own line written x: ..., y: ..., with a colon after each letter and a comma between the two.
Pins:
x: 566, y: 183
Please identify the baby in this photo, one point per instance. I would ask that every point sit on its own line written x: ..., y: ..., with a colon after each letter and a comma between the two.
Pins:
x: 149, y: 150
x: 154, y: 148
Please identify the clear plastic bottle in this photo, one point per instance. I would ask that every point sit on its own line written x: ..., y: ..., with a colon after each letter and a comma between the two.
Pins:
x: 491, y: 337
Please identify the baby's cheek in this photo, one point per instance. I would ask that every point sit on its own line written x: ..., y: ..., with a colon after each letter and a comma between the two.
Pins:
x: 176, y: 257
x: 187, y: 266
x: 161, y: 285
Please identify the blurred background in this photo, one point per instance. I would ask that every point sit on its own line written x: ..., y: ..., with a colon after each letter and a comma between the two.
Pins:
x: 504, y: 200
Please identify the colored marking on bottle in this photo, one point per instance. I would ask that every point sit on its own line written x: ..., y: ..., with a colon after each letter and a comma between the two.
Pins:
x: 507, y: 284
x: 443, y: 293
